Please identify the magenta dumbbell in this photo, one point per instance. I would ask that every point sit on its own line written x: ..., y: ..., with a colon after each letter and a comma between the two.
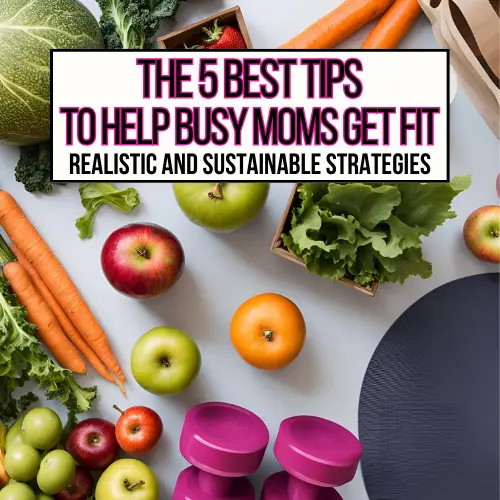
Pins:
x: 224, y: 443
x: 317, y: 455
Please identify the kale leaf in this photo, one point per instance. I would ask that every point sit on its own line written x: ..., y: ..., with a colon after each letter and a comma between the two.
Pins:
x: 23, y: 360
x: 33, y: 168
x: 131, y: 24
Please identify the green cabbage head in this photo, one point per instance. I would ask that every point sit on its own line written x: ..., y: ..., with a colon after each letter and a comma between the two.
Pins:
x: 29, y: 29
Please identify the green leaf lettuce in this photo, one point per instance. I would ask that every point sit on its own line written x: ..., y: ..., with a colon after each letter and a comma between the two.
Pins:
x: 96, y: 194
x: 369, y: 232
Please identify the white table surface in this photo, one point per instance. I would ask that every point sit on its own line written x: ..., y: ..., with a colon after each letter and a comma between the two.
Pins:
x: 344, y: 326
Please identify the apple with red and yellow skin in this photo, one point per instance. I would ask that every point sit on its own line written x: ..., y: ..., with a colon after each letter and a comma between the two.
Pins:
x: 138, y: 429
x: 482, y: 233
x: 142, y: 260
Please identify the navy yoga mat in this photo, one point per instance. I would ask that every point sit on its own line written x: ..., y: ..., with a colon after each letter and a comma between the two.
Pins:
x: 429, y: 408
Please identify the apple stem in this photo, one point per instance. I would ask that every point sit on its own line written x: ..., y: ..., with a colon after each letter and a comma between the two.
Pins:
x: 268, y: 335
x: 216, y: 192
x: 143, y: 252
x: 118, y: 409
x: 130, y: 487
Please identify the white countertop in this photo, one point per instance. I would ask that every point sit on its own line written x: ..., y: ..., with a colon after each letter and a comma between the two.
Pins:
x: 344, y: 326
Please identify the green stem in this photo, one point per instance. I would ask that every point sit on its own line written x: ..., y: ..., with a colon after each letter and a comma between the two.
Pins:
x: 213, y: 34
x: 6, y: 254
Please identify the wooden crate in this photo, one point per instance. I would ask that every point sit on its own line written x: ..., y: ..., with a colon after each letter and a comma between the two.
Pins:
x: 278, y: 248
x: 192, y: 34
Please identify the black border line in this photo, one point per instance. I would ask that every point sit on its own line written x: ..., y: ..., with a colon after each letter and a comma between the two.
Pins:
x: 288, y: 181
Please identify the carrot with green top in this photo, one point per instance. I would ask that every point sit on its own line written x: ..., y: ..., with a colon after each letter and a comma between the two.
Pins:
x: 39, y: 313
x: 337, y: 25
x: 66, y: 325
x: 393, y: 25
x: 29, y: 242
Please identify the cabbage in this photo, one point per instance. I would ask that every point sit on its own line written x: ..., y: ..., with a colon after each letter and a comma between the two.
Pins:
x: 28, y: 30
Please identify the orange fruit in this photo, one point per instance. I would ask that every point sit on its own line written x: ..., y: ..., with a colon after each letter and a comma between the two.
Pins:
x: 268, y: 331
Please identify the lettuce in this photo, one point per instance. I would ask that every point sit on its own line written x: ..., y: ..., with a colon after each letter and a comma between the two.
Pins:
x: 369, y: 232
x: 96, y: 194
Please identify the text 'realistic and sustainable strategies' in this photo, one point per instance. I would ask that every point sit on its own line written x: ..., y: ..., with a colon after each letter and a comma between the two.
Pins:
x: 250, y: 115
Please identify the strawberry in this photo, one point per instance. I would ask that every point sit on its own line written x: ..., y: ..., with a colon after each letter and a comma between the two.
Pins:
x: 223, y: 37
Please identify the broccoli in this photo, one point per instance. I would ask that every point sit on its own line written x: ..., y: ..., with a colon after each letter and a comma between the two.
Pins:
x: 33, y: 168
x: 130, y: 24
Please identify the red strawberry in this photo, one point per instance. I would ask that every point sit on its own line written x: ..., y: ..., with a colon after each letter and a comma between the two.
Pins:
x: 224, y: 37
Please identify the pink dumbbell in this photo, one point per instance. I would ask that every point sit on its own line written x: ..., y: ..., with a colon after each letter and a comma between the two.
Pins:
x: 317, y: 455
x: 224, y: 443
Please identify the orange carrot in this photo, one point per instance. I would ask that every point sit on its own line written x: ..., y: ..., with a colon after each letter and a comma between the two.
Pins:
x: 66, y: 325
x: 40, y: 314
x: 393, y: 25
x: 29, y: 242
x: 336, y: 26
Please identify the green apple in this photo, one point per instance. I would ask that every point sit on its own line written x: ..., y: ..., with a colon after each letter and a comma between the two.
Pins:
x: 221, y: 207
x: 43, y: 496
x: 42, y: 428
x: 165, y: 361
x: 15, y: 435
x: 127, y: 479
x: 56, y: 472
x: 22, y: 463
x: 17, y: 491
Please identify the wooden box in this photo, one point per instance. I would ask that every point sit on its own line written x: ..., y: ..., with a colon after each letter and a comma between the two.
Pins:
x: 278, y: 248
x: 192, y: 34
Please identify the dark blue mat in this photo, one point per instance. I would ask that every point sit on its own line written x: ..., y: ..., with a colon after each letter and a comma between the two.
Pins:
x: 429, y: 407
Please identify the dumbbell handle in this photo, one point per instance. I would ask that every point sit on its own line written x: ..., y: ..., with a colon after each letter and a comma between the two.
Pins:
x: 300, y: 490
x: 217, y: 486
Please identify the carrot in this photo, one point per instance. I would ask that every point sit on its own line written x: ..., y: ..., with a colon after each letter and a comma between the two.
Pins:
x: 29, y: 242
x: 40, y: 314
x: 393, y: 25
x: 66, y: 325
x: 336, y: 26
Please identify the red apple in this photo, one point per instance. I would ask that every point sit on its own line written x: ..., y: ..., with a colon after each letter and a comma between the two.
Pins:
x: 138, y: 429
x: 80, y: 488
x: 92, y: 443
x: 142, y: 260
x: 482, y: 233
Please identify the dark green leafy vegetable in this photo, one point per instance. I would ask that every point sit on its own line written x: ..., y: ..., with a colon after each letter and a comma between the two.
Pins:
x: 130, y: 24
x: 33, y: 168
x: 70, y: 425
x: 96, y: 194
x: 22, y: 360
x: 369, y: 232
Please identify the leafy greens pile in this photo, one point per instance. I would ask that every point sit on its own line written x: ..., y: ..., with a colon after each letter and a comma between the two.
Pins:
x: 96, y: 194
x: 130, y: 24
x: 22, y: 359
x: 369, y: 232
